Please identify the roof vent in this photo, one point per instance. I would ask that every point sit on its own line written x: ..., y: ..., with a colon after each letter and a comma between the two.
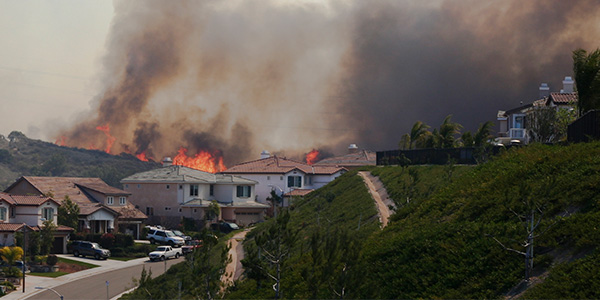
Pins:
x: 352, y: 148
x: 544, y: 90
x: 265, y: 154
x: 167, y: 161
x: 568, y: 85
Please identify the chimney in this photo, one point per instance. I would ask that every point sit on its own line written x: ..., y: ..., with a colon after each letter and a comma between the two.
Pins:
x: 544, y: 90
x: 568, y: 85
x: 265, y: 154
x: 167, y: 161
x: 352, y: 149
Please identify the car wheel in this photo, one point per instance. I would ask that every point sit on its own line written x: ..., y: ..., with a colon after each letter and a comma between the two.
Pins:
x: 76, y: 253
x: 176, y: 255
x: 97, y: 256
x: 162, y: 258
x: 152, y: 241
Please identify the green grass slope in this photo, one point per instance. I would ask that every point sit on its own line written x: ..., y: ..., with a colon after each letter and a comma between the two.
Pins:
x: 441, y: 247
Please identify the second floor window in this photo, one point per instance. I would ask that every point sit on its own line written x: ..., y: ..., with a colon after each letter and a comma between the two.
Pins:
x: 194, y: 190
x: 294, y: 181
x: 243, y: 191
x: 3, y: 216
x: 122, y: 200
x: 48, y: 213
x: 110, y: 200
x: 149, y: 211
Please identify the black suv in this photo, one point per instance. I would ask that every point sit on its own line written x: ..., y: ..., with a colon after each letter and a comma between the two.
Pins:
x: 84, y: 248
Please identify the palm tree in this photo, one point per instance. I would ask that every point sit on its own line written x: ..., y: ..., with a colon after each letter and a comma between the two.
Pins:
x: 448, y: 130
x: 417, y: 133
x: 11, y: 254
x: 586, y: 68
x: 405, y: 142
x: 483, y: 134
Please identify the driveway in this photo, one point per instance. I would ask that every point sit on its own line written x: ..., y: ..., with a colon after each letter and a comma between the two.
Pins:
x: 104, y: 266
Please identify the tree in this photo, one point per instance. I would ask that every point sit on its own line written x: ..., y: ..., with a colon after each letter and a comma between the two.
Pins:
x: 208, y: 265
x: 68, y: 213
x: 541, y: 124
x: 417, y: 133
x: 447, y: 131
x: 274, y: 245
x: 483, y: 134
x: 275, y: 200
x: 467, y: 139
x: 586, y: 68
x: 213, y: 211
x: 11, y: 255
x: 405, y: 142
x: 47, y: 236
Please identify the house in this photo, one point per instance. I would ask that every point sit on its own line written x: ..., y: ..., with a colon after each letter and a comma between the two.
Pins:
x: 513, y: 124
x: 284, y: 175
x: 27, y: 213
x: 353, y: 159
x: 102, y: 208
x: 172, y: 192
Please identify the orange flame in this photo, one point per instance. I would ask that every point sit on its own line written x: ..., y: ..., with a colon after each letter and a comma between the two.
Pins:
x: 203, y: 161
x: 142, y: 156
x: 110, y: 140
x: 61, y: 141
x: 312, y: 156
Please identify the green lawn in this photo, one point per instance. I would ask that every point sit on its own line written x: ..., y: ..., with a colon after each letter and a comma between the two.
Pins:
x: 48, y: 274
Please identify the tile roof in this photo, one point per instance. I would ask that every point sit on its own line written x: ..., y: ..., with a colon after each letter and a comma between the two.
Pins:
x: 280, y: 165
x: 360, y: 158
x: 181, y: 174
x: 25, y: 200
x: 298, y: 192
x: 563, y: 98
x: 129, y: 211
x: 234, y: 204
x: 89, y: 209
x: 12, y: 227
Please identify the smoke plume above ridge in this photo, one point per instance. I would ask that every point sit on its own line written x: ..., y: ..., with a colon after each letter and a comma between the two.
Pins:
x: 237, y: 77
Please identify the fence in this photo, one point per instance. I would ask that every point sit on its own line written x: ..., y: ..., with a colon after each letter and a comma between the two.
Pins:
x: 430, y: 156
x: 585, y: 128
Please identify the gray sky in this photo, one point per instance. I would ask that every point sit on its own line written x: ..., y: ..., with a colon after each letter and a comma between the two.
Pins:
x: 49, y: 59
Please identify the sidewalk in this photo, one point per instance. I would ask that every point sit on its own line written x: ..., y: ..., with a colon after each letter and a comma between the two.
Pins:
x: 104, y: 266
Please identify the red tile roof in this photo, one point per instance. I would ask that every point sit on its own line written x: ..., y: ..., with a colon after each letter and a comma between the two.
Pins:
x: 279, y: 165
x: 25, y: 200
x: 563, y: 98
x: 298, y: 192
x: 12, y: 227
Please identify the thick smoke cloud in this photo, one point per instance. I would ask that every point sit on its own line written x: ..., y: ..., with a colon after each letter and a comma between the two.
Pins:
x: 237, y: 77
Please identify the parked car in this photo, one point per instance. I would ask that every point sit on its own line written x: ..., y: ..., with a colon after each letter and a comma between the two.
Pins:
x: 224, y: 227
x: 190, y: 246
x: 181, y: 235
x: 162, y: 236
x: 165, y: 252
x: 85, y: 248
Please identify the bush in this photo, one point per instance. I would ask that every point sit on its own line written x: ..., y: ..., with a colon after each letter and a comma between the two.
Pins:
x: 107, y: 240
x: 123, y: 240
x: 52, y: 259
x: 8, y: 285
x: 117, y: 251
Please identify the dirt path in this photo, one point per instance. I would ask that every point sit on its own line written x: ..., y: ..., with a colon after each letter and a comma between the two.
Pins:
x: 236, y: 252
x: 379, y: 194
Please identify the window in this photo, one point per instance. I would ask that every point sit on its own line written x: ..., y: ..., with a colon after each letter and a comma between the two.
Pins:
x: 195, y: 210
x: 126, y: 186
x: 138, y: 186
x: 122, y: 200
x: 48, y: 213
x: 3, y: 216
x: 268, y: 177
x: 167, y: 208
x: 294, y: 181
x: 179, y: 209
x: 168, y: 186
x: 281, y: 178
x: 212, y: 190
x: 149, y: 211
x: 309, y: 180
x: 194, y: 190
x: 243, y: 191
x: 519, y: 122
x: 110, y: 200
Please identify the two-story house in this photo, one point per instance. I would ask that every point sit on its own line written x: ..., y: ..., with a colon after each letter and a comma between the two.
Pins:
x: 102, y: 208
x: 28, y: 213
x: 513, y: 123
x: 282, y: 175
x: 172, y: 192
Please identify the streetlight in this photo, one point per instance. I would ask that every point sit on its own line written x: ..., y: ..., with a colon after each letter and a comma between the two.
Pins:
x: 47, y: 288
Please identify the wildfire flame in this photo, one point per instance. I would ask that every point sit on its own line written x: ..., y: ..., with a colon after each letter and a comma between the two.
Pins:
x: 110, y: 140
x: 142, y: 156
x: 203, y: 160
x: 61, y: 141
x: 312, y: 156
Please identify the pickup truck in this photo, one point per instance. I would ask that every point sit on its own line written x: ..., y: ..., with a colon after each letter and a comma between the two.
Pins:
x: 164, y: 252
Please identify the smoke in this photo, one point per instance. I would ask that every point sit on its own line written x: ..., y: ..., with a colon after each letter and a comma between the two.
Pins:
x: 237, y: 77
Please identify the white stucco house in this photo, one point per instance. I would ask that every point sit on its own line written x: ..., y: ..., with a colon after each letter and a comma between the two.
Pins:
x: 284, y: 175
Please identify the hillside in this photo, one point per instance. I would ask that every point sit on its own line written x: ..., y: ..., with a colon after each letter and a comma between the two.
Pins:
x: 21, y: 156
x: 444, y: 240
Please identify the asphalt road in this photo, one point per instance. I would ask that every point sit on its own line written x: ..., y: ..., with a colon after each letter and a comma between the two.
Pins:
x: 95, y: 287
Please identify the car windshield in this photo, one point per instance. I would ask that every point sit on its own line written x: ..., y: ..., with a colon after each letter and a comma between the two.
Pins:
x: 95, y: 246
x: 161, y: 248
x: 170, y: 234
x: 234, y: 226
x: 178, y: 233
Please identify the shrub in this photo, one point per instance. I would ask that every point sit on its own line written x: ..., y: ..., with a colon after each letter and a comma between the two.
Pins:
x: 8, y: 284
x: 52, y: 259
x: 107, y: 240
x: 123, y: 240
